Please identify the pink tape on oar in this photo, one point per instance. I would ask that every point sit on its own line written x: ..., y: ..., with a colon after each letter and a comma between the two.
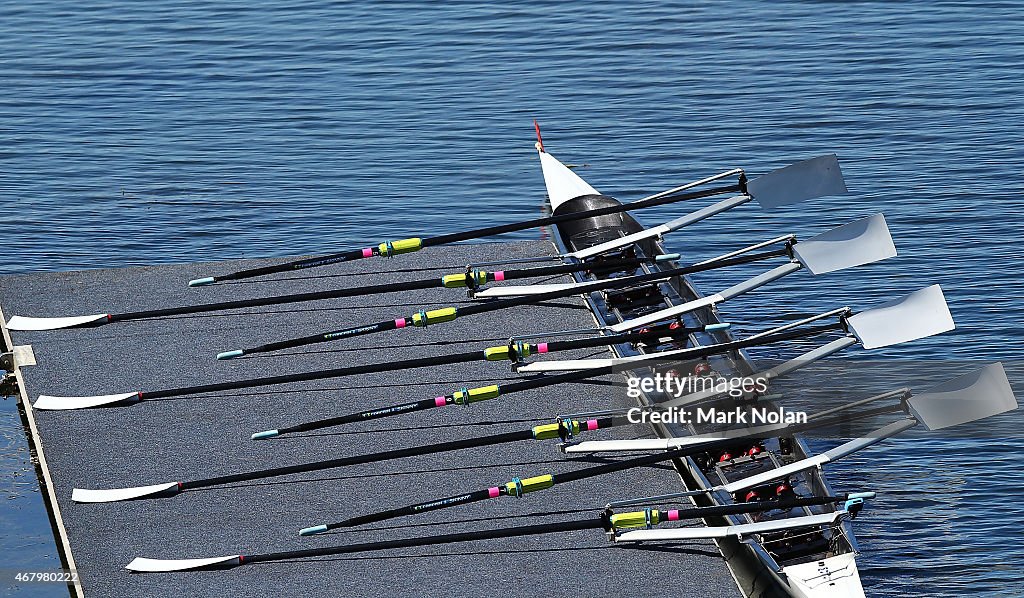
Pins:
x: 494, y: 492
x: 673, y: 515
x: 591, y: 425
x: 542, y: 347
x: 400, y: 323
x: 499, y: 276
x: 368, y: 252
x: 440, y: 402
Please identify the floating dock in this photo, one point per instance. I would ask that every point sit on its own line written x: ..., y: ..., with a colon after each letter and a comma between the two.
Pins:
x: 207, y: 435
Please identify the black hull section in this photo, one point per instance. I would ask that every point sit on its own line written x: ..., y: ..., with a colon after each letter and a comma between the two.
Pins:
x: 588, y: 232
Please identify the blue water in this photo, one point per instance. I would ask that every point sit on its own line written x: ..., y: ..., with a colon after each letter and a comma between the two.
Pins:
x: 138, y: 134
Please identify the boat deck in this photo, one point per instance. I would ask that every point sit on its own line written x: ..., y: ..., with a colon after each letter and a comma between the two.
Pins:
x: 206, y: 435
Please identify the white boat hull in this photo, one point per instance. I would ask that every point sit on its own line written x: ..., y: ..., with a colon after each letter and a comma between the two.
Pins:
x: 834, y: 577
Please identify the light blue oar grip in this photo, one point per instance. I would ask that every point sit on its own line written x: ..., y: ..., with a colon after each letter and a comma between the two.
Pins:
x: 665, y: 257
x: 721, y: 326
x: 856, y: 495
x: 309, y: 531
x: 201, y: 282
x: 231, y: 354
x: 267, y: 434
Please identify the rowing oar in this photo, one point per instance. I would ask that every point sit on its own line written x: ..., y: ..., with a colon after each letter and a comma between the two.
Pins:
x: 860, y: 242
x: 885, y: 318
x: 514, y: 352
x: 974, y: 396
x: 466, y: 396
x: 804, y: 180
x: 607, y: 520
x: 393, y: 248
x: 922, y: 313
x: 470, y: 396
x: 46, y: 402
x: 519, y: 487
x: 424, y: 318
x: 563, y: 428
x: 471, y: 279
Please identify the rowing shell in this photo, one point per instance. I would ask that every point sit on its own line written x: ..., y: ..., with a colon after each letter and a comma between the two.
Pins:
x: 823, y: 566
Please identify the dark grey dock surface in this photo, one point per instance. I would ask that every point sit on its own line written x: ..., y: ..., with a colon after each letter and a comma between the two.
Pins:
x: 207, y: 435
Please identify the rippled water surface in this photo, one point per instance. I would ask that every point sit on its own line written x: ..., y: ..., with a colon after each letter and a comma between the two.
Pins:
x: 139, y: 134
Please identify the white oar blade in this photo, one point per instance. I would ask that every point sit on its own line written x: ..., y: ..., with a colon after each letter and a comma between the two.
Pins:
x: 860, y: 242
x: 141, y: 565
x: 971, y: 397
x: 26, y: 323
x: 119, y: 494
x: 917, y: 315
x: 817, y: 177
x: 562, y: 184
x: 701, y: 533
x: 50, y: 403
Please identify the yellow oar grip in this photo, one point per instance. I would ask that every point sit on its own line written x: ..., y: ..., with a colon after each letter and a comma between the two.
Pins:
x: 549, y: 431
x: 435, y: 316
x: 519, y: 487
x: 390, y: 248
x: 472, y: 395
x: 455, y: 281
x: 635, y: 519
x: 505, y: 352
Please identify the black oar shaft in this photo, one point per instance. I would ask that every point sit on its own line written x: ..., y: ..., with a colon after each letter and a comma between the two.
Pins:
x: 371, y: 368
x: 355, y: 254
x: 520, y: 487
x: 559, y: 218
x: 362, y: 416
x: 696, y: 352
x: 422, y: 405
x: 553, y: 527
x: 424, y: 318
x: 375, y: 289
x: 488, y: 534
x: 361, y: 459
x: 280, y: 299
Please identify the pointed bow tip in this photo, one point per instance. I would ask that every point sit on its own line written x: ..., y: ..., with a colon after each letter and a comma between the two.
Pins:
x: 264, y: 435
x: 81, y: 495
x: 144, y: 565
x: 202, y: 282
